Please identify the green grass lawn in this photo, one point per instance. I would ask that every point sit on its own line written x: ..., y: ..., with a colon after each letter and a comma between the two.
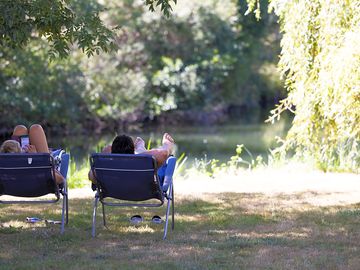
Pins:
x: 214, y: 231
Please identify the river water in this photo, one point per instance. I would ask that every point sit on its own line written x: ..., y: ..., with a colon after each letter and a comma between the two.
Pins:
x: 199, y: 142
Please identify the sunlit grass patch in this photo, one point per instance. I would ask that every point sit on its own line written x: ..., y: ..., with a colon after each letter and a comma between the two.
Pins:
x: 218, y: 231
x: 78, y: 176
x: 22, y: 224
x: 136, y: 229
x: 189, y: 218
x: 6, y: 228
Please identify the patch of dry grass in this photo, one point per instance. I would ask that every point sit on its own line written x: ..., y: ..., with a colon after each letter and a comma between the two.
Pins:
x: 227, y: 230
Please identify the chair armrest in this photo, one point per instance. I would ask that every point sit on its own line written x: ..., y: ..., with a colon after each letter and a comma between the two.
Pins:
x: 169, y: 172
x: 64, y: 166
x: 64, y: 159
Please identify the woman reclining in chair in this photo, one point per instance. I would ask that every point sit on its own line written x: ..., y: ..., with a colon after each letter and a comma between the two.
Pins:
x: 37, y: 143
x: 124, y: 144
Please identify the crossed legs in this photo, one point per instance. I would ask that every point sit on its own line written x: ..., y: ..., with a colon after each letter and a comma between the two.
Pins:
x: 161, y: 153
x: 38, y: 139
x: 36, y: 135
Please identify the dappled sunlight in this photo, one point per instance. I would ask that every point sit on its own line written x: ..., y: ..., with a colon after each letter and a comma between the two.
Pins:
x: 248, y: 220
x: 19, y: 213
x: 222, y: 229
x: 5, y: 255
x: 302, y: 233
x: 190, y: 218
x: 136, y: 229
x: 187, y: 252
x: 328, y: 188
x: 247, y: 194
x: 307, y: 185
x: 23, y: 208
x: 14, y: 198
x: 21, y: 224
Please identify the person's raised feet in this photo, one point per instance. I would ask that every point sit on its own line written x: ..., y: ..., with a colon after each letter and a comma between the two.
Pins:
x: 168, y: 142
x: 139, y: 144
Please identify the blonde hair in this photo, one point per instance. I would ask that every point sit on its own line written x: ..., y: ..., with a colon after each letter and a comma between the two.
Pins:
x: 10, y: 146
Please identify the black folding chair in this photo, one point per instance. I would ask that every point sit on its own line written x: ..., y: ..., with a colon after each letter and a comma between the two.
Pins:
x: 133, y: 181
x: 33, y: 176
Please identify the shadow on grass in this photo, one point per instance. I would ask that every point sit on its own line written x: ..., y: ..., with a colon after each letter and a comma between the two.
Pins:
x: 222, y: 231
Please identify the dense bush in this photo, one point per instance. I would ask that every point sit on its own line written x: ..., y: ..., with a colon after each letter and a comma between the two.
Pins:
x: 35, y: 90
x: 206, y: 56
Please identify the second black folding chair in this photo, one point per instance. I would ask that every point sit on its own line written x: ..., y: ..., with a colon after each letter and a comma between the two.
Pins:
x: 33, y: 176
x: 132, y: 180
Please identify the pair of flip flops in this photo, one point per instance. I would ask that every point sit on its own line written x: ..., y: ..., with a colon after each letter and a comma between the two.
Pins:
x: 47, y: 221
x: 136, y: 219
x: 33, y: 219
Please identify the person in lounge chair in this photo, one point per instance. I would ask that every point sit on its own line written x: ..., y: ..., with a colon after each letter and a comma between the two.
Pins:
x: 37, y: 143
x: 124, y: 144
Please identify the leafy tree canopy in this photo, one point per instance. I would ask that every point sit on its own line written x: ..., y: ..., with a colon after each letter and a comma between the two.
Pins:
x: 206, y: 57
x: 61, y: 22
x: 320, y: 60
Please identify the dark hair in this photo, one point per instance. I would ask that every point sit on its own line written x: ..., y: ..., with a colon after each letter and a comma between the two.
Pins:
x: 123, y: 144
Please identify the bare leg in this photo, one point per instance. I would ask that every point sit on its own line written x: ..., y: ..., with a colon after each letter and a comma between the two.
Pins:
x: 20, y: 130
x: 58, y: 177
x: 106, y: 149
x: 38, y: 138
x: 163, y: 152
x: 168, y: 143
x: 139, y: 145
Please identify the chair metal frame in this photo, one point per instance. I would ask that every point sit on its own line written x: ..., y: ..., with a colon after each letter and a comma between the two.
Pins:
x: 163, y: 195
x: 58, y: 190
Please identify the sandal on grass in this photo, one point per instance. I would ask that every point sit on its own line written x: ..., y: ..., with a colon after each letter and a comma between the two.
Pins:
x: 33, y: 219
x: 50, y: 221
x: 156, y: 220
x: 136, y: 219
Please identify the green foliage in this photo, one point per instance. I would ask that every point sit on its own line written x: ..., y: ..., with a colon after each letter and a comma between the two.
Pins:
x: 324, y: 84
x: 320, y: 61
x: 180, y: 162
x: 62, y: 23
x: 204, y: 57
x: 112, y: 91
x: 179, y: 85
x: 254, y: 6
x: 35, y: 91
x: 213, y: 167
x: 164, y: 5
x: 78, y: 174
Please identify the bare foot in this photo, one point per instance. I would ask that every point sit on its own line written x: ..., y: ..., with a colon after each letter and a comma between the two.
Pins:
x: 168, y: 142
x: 167, y: 139
x: 107, y: 149
x: 139, y: 144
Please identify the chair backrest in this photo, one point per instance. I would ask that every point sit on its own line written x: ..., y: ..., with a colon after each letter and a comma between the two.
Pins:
x: 126, y: 177
x: 27, y: 175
